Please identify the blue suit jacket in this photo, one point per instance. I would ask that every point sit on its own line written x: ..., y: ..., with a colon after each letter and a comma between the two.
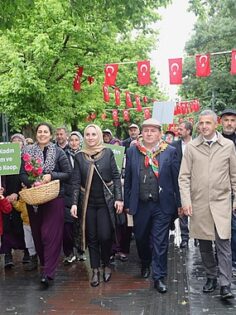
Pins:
x: 168, y: 180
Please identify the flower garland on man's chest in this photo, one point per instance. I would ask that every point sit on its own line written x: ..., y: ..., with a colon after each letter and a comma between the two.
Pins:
x: 150, y: 156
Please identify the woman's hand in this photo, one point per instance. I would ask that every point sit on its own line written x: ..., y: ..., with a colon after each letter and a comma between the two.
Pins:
x: 119, y: 206
x: 46, y: 178
x: 13, y: 197
x: 73, y: 211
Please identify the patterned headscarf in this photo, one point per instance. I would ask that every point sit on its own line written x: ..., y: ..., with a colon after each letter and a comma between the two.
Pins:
x: 81, y: 139
x: 99, y: 145
x: 36, y: 152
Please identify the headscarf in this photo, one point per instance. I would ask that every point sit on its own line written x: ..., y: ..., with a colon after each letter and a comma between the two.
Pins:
x: 20, y: 137
x: 81, y: 139
x: 99, y: 145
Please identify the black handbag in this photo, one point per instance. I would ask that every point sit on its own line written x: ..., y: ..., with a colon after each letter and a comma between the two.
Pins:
x: 120, y: 217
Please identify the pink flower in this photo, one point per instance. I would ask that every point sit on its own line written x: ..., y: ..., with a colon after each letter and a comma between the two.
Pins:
x: 38, y: 161
x: 40, y: 170
x: 28, y: 167
x: 26, y: 157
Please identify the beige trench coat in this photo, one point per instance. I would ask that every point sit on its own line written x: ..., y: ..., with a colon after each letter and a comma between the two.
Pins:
x: 207, y: 177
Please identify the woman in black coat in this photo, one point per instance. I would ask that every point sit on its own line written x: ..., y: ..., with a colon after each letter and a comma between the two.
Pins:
x: 97, y: 189
x: 47, y: 220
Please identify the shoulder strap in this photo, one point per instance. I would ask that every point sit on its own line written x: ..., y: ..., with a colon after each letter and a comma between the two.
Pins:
x: 100, y: 176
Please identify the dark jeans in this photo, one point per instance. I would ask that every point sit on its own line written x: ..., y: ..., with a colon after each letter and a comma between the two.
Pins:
x: 98, y: 235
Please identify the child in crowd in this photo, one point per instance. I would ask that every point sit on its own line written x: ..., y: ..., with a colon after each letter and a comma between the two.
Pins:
x: 20, y: 206
x: 5, y: 207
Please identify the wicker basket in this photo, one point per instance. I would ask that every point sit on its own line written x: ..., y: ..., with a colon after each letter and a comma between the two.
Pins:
x: 41, y: 194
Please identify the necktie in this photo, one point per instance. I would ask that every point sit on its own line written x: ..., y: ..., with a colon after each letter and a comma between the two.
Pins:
x: 209, y: 142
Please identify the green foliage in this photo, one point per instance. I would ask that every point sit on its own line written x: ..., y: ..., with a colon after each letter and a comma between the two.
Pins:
x: 214, y: 32
x: 43, y: 42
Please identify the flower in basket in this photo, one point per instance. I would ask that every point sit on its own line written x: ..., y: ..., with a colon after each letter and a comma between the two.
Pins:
x: 34, y: 169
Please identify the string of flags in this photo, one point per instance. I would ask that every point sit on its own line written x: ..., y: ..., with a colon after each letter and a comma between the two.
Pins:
x: 203, y: 69
x: 181, y: 109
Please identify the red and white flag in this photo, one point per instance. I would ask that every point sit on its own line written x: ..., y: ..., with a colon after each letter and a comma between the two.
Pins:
x: 146, y: 113
x: 106, y: 95
x: 203, y: 66
x: 128, y: 99
x: 144, y: 72
x: 77, y: 83
x: 111, y: 73
x: 138, y: 103
x: 175, y: 70
x: 115, y: 115
x: 145, y: 99
x: 90, y: 79
x: 126, y: 116
x: 117, y: 96
x: 233, y: 62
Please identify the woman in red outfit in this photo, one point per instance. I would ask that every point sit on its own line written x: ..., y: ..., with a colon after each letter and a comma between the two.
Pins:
x: 5, y: 207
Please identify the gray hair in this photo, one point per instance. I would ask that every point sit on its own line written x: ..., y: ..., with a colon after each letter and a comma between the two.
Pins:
x: 209, y: 112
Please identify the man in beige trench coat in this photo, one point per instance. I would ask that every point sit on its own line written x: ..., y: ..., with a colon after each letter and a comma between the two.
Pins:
x: 207, y: 177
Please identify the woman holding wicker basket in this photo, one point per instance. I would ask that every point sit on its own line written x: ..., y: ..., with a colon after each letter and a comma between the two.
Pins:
x: 46, y: 219
x: 97, y: 191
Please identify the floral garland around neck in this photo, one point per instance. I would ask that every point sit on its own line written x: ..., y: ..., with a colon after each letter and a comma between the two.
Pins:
x: 150, y: 156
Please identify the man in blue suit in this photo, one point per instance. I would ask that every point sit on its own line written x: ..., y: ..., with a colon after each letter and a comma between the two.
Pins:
x: 152, y: 197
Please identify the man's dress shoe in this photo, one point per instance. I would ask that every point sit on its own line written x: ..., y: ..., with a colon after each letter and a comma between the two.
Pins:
x: 210, y: 285
x: 160, y: 286
x: 226, y: 293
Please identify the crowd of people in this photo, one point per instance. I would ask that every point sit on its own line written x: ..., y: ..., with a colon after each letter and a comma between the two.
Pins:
x: 165, y: 176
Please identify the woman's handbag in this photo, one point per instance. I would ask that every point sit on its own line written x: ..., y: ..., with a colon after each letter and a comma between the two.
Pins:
x: 120, y: 217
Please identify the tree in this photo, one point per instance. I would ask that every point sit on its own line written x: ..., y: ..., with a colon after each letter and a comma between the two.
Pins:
x: 214, y: 31
x: 43, y: 42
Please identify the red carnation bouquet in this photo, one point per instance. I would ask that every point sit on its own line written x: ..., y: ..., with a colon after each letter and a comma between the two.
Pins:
x: 34, y: 169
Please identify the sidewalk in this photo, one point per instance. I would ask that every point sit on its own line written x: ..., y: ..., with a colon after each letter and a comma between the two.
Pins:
x: 126, y: 294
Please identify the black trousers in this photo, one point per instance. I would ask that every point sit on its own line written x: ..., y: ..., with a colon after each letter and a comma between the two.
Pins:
x: 98, y: 235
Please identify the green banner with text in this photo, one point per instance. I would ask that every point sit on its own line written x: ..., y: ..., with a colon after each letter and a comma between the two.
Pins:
x: 118, y: 153
x: 10, y: 158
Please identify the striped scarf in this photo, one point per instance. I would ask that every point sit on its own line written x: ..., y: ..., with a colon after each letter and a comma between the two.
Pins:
x: 150, y: 156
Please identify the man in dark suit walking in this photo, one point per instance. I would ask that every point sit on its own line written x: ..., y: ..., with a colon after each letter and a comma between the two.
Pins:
x: 151, y: 195
x: 185, y: 130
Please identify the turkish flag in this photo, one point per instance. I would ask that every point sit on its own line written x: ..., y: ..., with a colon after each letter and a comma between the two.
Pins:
x: 203, y: 66
x: 115, y: 115
x: 145, y: 99
x: 106, y: 95
x: 110, y: 74
x: 104, y: 116
x: 126, y: 116
x: 144, y: 72
x: 117, y: 96
x: 146, y: 113
x: 76, y: 83
x: 233, y: 62
x: 138, y: 103
x: 90, y: 79
x: 175, y: 70
x: 128, y: 99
